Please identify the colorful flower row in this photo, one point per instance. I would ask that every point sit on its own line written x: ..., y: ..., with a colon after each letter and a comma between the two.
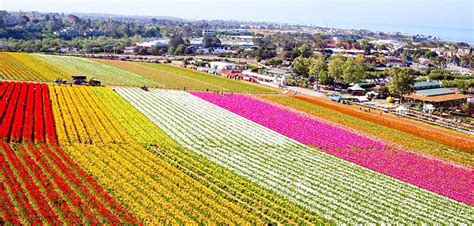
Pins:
x: 412, y: 142
x: 40, y: 183
x: 332, y: 188
x: 25, y: 112
x: 52, y: 192
x: 137, y: 177
x: 29, y: 67
x: 106, y: 74
x: 458, y: 142
x: 428, y: 173
x: 258, y: 202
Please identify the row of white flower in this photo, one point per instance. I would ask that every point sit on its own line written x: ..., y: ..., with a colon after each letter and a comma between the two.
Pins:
x: 331, y: 187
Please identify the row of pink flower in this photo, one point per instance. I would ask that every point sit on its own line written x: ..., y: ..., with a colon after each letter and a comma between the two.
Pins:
x: 435, y: 175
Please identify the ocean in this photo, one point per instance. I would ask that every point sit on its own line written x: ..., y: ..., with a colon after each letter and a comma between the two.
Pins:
x: 447, y: 34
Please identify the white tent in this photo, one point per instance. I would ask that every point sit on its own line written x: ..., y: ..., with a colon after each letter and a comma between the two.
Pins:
x: 428, y: 108
x: 356, y: 87
x: 362, y: 99
x: 222, y: 65
x: 401, y: 110
x: 371, y: 93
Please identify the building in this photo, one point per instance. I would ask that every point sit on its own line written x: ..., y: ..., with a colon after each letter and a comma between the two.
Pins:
x: 222, y: 65
x: 159, y: 43
x: 237, y: 41
x: 433, y: 93
x: 92, y: 32
x: 69, y: 32
x: 129, y: 50
x: 391, y: 61
x: 258, y: 76
x: 236, y: 31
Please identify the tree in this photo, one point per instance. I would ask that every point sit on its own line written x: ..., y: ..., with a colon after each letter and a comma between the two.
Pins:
x: 171, y: 50
x: 175, y: 42
x: 325, y: 79
x: 319, y: 69
x: 402, y: 80
x: 300, y: 66
x: 335, y: 67
x: 302, y: 51
x: 275, y: 61
x: 211, y: 41
x: 353, y: 70
x: 430, y: 54
x: 180, y: 50
x: 384, y: 91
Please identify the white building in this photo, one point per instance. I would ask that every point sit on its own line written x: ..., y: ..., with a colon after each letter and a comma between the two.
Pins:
x: 222, y: 65
x: 157, y: 42
x: 236, y: 31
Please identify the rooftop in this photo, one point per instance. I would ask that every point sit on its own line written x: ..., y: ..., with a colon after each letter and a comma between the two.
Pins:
x: 426, y: 84
x: 438, y: 99
x: 434, y: 92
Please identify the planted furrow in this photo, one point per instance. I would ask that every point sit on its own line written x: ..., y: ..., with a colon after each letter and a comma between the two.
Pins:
x: 71, y: 169
x: 331, y: 187
x: 40, y: 201
x: 10, y: 112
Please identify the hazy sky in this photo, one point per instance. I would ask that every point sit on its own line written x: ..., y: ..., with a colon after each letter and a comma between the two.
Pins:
x: 424, y: 16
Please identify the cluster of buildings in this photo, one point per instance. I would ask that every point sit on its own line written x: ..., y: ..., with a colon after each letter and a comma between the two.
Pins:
x: 234, y: 32
x: 228, y: 44
x: 77, y: 30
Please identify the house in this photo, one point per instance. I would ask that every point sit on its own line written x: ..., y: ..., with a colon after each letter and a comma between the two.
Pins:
x: 391, y: 61
x: 237, y: 41
x: 426, y: 85
x: 196, y: 43
x: 92, y: 32
x: 69, y: 32
x: 433, y: 93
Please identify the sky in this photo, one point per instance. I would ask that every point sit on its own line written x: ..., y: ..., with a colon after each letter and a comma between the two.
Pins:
x: 450, y: 20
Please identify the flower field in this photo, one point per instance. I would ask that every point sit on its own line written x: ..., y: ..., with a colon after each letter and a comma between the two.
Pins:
x: 139, y: 178
x: 124, y: 156
x: 253, y: 198
x: 413, y: 142
x: 440, y: 177
x: 462, y: 144
x: 29, y: 67
x: 172, y: 77
x: 328, y: 186
x: 39, y: 181
x: 25, y: 112
x: 106, y: 74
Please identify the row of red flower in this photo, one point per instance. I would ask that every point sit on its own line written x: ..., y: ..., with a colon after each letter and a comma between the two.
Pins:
x: 25, y: 112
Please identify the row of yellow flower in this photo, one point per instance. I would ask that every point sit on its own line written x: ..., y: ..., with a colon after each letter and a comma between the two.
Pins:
x: 29, y: 67
x: 149, y: 187
x: 78, y: 113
